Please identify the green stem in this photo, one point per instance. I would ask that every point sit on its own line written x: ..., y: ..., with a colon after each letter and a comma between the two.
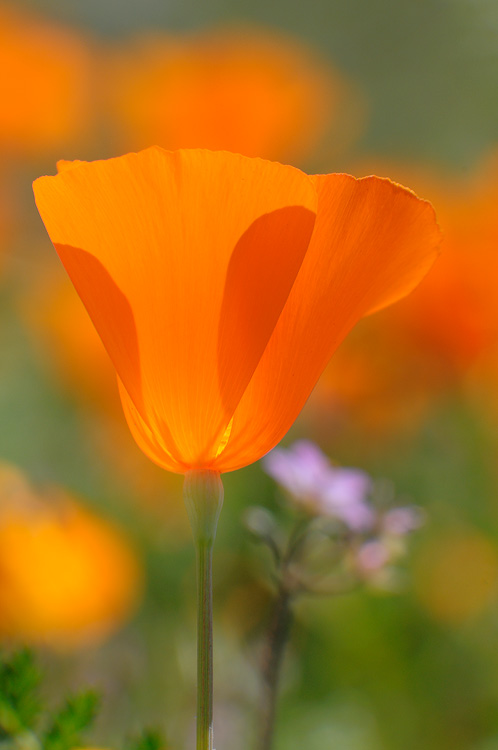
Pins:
x: 273, y: 655
x: 204, y: 647
x: 203, y: 495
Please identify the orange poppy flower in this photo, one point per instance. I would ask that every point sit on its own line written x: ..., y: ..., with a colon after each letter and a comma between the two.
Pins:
x: 68, y: 577
x: 46, y: 88
x: 249, y: 91
x: 221, y: 285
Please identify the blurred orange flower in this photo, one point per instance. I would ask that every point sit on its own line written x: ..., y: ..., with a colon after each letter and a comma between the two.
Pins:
x: 249, y: 91
x: 67, y: 577
x: 376, y: 382
x: 46, y: 86
x: 221, y: 285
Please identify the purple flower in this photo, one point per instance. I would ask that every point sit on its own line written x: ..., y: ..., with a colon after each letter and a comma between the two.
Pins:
x: 372, y: 556
x: 301, y: 469
x: 345, y: 497
x: 401, y: 521
x: 305, y: 472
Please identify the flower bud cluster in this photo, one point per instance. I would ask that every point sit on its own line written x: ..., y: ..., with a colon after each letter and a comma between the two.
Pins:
x: 346, y: 529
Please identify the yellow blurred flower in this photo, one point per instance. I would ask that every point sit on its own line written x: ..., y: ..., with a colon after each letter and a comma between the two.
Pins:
x: 251, y: 91
x: 67, y: 577
x: 46, y: 85
x: 456, y: 575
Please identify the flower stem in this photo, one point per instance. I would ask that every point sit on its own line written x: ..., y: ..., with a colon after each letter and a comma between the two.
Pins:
x: 273, y: 654
x: 204, y: 648
x: 203, y: 495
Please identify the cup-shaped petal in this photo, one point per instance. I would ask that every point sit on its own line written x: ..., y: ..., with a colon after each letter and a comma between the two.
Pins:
x: 221, y: 285
x: 184, y: 261
x: 373, y: 242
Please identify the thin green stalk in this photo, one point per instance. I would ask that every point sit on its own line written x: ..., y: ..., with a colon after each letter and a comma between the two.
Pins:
x: 203, y: 495
x: 273, y: 656
x: 204, y: 554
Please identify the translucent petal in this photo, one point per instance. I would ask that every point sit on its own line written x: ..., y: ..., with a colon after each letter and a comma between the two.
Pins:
x: 184, y: 261
x: 373, y: 242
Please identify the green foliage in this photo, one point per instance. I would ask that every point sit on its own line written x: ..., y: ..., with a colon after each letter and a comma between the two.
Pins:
x: 149, y: 740
x: 19, y: 700
x: 26, y: 724
x: 22, y: 715
x: 70, y: 721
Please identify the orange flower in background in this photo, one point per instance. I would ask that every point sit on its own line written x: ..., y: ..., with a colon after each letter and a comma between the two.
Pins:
x: 376, y: 382
x: 221, y: 285
x: 46, y: 86
x: 249, y: 91
x: 67, y: 577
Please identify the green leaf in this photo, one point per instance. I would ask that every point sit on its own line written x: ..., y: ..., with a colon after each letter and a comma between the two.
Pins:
x: 19, y: 700
x: 149, y: 740
x: 75, y: 716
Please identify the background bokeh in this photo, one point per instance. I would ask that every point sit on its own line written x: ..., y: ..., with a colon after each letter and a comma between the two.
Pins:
x: 96, y: 565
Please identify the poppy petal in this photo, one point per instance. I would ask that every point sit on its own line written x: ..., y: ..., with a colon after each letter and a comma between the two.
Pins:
x: 65, y: 164
x: 170, y: 235
x: 146, y: 439
x: 373, y: 242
